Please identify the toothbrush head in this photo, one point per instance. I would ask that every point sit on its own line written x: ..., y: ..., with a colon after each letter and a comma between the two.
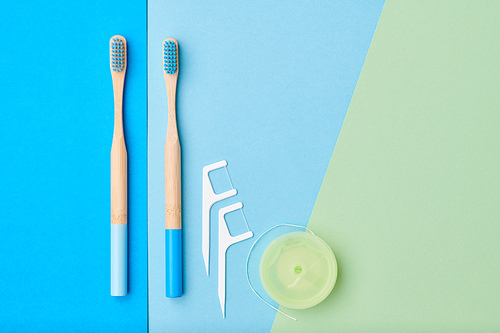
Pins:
x: 118, y: 53
x: 170, y: 56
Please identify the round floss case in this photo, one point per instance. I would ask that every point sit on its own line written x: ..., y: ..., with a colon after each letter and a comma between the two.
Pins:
x: 298, y: 270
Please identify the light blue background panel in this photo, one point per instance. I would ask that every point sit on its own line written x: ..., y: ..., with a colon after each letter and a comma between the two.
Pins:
x: 56, y: 126
x: 264, y: 85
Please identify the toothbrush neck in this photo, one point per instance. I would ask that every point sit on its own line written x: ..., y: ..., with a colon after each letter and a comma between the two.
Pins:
x: 118, y: 121
x: 172, y: 118
x: 118, y: 97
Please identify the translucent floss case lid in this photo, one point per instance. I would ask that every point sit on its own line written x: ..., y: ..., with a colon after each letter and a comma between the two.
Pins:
x: 298, y: 270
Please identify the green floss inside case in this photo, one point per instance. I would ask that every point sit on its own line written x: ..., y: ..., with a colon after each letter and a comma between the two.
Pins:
x: 298, y: 270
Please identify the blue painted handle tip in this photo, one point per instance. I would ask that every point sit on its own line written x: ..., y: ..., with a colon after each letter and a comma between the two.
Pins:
x: 173, y: 262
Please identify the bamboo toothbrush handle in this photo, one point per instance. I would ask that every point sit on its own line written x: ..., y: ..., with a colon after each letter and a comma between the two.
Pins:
x: 118, y: 181
x: 173, y: 230
x: 118, y: 160
x: 119, y: 232
x: 172, y: 182
x: 173, y: 224
x: 172, y: 185
x: 172, y: 162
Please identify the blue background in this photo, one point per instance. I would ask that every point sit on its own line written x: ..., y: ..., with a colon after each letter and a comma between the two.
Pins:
x: 264, y: 85
x: 56, y: 126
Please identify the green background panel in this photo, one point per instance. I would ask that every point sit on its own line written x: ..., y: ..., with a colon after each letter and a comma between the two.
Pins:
x: 410, y: 201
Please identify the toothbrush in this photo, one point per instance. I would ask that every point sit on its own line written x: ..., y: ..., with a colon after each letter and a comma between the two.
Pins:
x: 173, y: 226
x: 118, y: 66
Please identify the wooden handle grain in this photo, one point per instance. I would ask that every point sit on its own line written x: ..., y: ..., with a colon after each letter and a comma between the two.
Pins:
x: 118, y: 181
x: 172, y: 184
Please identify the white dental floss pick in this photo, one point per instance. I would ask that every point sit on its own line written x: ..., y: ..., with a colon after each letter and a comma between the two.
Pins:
x: 225, y: 241
x: 209, y: 198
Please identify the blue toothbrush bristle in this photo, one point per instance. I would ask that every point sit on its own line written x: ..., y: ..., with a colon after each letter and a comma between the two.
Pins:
x: 169, y: 57
x: 117, y: 55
